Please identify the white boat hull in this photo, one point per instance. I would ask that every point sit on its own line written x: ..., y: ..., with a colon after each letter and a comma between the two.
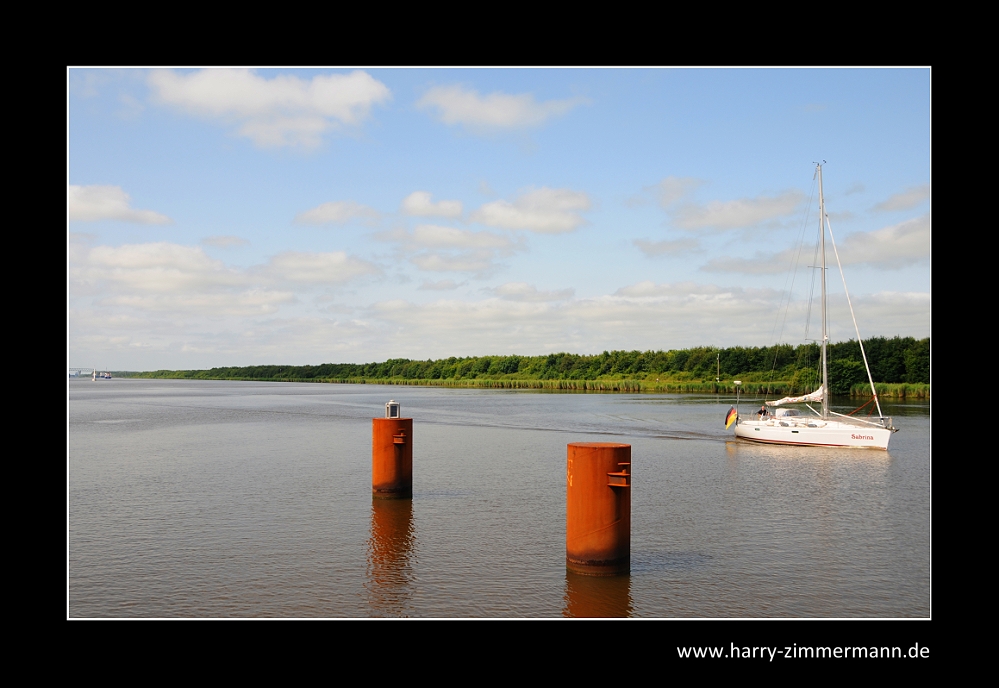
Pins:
x: 813, y: 433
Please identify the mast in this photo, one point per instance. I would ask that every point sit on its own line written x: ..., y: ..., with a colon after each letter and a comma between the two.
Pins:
x: 825, y: 335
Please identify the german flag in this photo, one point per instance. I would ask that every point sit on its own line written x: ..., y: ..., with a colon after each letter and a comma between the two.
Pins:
x: 732, y: 416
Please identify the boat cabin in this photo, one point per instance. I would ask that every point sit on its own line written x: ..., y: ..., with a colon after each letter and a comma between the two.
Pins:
x: 784, y: 413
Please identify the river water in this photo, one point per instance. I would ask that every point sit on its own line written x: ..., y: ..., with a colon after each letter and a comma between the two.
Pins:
x: 253, y: 499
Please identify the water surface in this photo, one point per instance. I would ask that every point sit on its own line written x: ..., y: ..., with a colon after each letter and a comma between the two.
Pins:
x: 217, y: 499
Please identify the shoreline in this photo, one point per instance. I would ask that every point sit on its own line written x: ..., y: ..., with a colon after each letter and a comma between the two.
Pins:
x: 892, y: 390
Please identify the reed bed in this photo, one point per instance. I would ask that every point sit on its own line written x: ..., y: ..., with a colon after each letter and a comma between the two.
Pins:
x: 894, y: 390
x: 748, y: 388
x: 662, y: 387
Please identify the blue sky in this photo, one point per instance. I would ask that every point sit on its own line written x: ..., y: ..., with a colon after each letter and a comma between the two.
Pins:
x: 293, y: 216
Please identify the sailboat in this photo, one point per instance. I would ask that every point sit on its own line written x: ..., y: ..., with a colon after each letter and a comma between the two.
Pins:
x: 822, y: 428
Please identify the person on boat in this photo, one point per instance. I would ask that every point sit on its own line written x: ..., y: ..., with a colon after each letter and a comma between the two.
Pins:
x: 763, y: 413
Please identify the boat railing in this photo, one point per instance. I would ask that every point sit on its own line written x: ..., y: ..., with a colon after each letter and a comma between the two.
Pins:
x: 860, y: 421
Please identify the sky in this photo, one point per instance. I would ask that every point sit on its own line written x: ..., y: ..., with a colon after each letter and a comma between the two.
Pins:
x: 230, y: 217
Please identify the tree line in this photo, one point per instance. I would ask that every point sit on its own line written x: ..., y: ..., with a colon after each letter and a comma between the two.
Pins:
x: 894, y: 360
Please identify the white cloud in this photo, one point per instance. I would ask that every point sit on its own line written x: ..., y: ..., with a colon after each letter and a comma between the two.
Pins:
x: 906, y: 314
x: 840, y: 216
x: 544, y: 210
x: 468, y: 261
x: 318, y: 268
x: 666, y: 247
x: 251, y: 302
x: 759, y: 264
x: 440, y: 285
x: 744, y: 212
x: 672, y: 189
x: 458, y: 105
x: 175, y: 275
x: 92, y: 203
x: 667, y: 192
x: 163, y: 305
x: 522, y: 291
x: 137, y: 312
x: 337, y: 212
x: 282, y: 111
x: 642, y: 316
x: 447, y: 249
x: 130, y: 108
x: 435, y: 236
x: 650, y: 290
x: 86, y: 82
x: 156, y: 267
x: 139, y: 281
x: 149, y: 343
x: 226, y: 241
x: 896, y: 246
x: 909, y: 198
x: 418, y: 203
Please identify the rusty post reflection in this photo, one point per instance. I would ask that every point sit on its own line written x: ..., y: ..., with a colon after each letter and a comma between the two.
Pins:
x: 592, y: 597
x: 390, y: 552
